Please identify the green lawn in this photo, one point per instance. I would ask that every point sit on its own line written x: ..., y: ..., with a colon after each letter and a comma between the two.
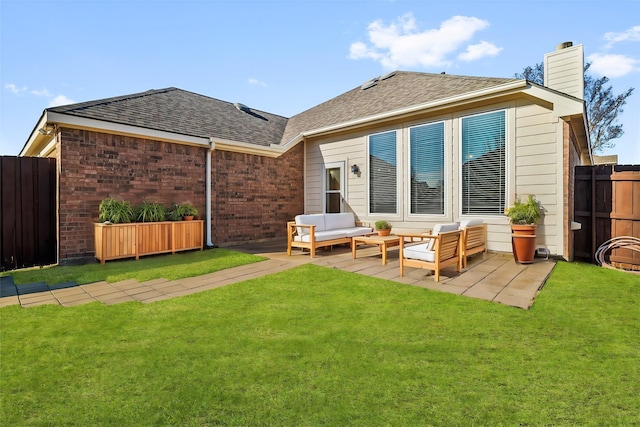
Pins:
x: 172, y: 267
x: 319, y: 346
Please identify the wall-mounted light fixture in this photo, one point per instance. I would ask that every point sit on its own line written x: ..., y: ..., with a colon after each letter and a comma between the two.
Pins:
x: 47, y: 129
x: 355, y: 169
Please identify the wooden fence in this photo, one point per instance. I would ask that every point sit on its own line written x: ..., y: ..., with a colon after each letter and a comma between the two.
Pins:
x: 607, y: 204
x: 28, y: 193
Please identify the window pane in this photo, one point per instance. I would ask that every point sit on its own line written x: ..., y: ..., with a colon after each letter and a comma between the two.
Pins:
x: 427, y: 169
x: 382, y: 173
x: 333, y: 203
x: 333, y: 179
x: 483, y: 164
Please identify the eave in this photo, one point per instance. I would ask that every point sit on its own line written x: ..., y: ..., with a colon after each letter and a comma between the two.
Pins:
x: 42, y: 145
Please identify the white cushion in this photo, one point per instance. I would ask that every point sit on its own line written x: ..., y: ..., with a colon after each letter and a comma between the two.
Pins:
x: 470, y: 223
x: 441, y: 228
x: 321, y: 236
x: 311, y: 219
x: 354, y: 231
x: 419, y: 252
x: 339, y: 220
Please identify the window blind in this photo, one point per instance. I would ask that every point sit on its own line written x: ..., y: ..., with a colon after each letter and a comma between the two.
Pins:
x: 382, y: 173
x: 483, y: 164
x: 426, y: 153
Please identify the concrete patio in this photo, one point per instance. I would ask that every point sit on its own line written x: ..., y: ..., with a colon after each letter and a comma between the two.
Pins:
x: 492, y: 276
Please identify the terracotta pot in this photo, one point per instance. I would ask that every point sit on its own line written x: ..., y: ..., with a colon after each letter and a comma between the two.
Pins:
x: 188, y: 217
x: 383, y: 232
x: 523, y: 240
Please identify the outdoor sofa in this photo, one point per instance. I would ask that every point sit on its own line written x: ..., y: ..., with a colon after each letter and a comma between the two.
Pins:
x: 313, y: 231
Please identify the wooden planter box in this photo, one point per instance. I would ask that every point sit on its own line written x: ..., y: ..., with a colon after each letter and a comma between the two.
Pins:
x: 115, y: 241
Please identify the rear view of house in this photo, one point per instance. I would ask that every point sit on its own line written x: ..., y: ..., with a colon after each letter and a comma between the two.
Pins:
x: 412, y: 148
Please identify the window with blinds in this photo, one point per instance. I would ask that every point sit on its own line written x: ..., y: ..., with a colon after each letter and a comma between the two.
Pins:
x: 426, y: 160
x: 483, y: 177
x: 382, y: 173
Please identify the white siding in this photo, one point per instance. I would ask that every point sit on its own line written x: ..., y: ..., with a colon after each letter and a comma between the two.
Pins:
x: 564, y: 71
x: 537, y: 153
x: 534, y: 146
x: 350, y: 151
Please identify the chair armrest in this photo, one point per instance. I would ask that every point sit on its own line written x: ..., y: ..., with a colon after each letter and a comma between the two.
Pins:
x: 293, y: 227
x: 411, y: 236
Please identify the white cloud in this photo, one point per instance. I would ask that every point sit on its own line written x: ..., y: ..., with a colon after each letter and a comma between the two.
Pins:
x: 402, y: 44
x: 43, y: 92
x: 253, y: 81
x: 613, y: 65
x: 15, y: 89
x: 60, y: 100
x: 53, y: 102
x: 632, y: 34
x: 480, y: 50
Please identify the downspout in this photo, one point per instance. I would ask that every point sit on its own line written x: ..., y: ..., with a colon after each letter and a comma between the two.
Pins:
x: 212, y: 147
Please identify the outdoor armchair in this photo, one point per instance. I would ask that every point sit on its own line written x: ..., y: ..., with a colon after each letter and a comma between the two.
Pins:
x: 442, y: 249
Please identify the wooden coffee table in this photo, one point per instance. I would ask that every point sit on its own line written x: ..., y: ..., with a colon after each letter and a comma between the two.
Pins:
x: 383, y: 242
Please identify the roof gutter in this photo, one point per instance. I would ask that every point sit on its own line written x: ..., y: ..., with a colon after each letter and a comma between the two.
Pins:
x: 212, y: 147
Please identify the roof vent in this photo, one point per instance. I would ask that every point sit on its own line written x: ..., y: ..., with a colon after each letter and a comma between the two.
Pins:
x: 370, y: 83
x: 242, y: 107
x: 388, y: 75
x: 564, y: 45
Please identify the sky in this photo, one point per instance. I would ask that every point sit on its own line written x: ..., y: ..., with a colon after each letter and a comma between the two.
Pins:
x: 285, y: 56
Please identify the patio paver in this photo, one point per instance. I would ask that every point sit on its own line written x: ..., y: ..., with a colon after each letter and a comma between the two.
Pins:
x: 492, y: 276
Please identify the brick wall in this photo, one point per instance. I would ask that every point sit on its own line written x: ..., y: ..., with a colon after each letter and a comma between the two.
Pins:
x: 94, y: 166
x: 253, y: 196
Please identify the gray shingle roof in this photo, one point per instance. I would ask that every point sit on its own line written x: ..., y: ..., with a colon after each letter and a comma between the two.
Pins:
x: 182, y: 112
x: 403, y: 89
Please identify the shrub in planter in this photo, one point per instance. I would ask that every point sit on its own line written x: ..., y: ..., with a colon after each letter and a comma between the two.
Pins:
x: 115, y: 211
x: 383, y: 227
x: 149, y: 212
x: 523, y: 218
x: 524, y: 213
x: 180, y: 211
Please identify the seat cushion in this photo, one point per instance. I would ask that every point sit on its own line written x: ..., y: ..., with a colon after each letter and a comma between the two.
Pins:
x: 321, y: 236
x: 420, y: 252
x: 441, y: 228
x: 311, y: 219
x: 337, y: 221
x: 469, y: 223
x: 355, y: 231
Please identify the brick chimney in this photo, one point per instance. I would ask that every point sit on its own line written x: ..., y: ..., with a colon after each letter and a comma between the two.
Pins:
x: 564, y: 69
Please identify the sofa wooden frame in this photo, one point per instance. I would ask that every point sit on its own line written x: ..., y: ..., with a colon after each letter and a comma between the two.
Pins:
x: 312, y: 244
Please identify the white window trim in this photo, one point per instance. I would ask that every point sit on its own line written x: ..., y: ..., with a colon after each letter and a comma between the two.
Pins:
x: 343, y: 196
x: 446, y: 174
x: 507, y: 166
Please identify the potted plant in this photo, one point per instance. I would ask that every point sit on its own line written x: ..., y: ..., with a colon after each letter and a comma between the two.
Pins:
x: 184, y: 211
x: 149, y: 212
x: 524, y: 217
x: 113, y: 211
x: 383, y: 227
